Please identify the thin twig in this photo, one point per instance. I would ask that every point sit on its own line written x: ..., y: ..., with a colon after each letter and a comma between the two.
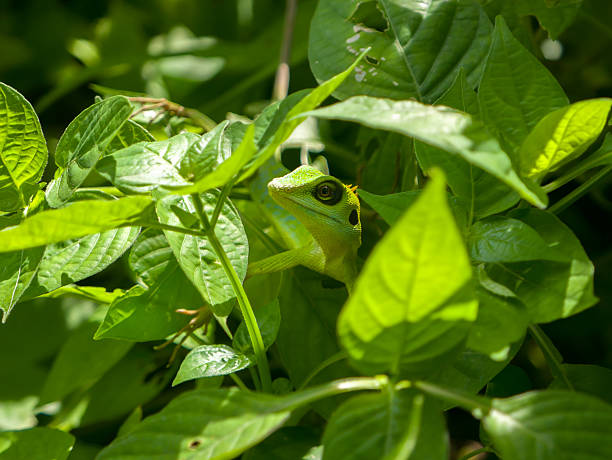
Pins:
x: 152, y: 103
x: 281, y: 81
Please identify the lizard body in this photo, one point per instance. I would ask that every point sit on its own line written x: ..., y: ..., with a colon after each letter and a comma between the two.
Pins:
x: 330, y: 212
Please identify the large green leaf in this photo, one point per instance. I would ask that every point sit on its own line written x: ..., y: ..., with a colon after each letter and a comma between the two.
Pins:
x: 413, y: 300
x: 550, y: 289
x: 73, y: 260
x: 81, y: 362
x: 23, y: 150
x: 83, y: 143
x: 503, y: 239
x: 35, y: 443
x: 205, y: 424
x: 448, y: 129
x: 516, y: 90
x: 551, y: 425
x: 562, y: 136
x: 483, y: 193
x: 210, y: 361
x: 149, y: 312
x: 130, y: 133
x: 393, y: 426
x: 417, y: 47
x: 587, y: 378
x: 16, y: 274
x: 196, y: 255
x: 76, y: 220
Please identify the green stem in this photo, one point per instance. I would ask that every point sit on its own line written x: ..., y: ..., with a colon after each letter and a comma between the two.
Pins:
x: 333, y: 388
x: 224, y: 193
x: 482, y: 450
x: 174, y: 228
x: 328, y: 362
x: 579, y: 191
x: 468, y: 402
x: 552, y: 355
x: 243, y: 300
x: 239, y: 383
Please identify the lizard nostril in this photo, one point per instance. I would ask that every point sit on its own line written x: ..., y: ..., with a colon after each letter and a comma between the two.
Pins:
x: 353, y: 217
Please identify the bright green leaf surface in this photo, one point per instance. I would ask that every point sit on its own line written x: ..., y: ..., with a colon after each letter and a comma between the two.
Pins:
x: 129, y: 133
x: 417, y: 47
x: 81, y: 362
x: 411, y: 301
x: 196, y: 255
x: 73, y: 260
x: 203, y: 424
x: 76, y: 220
x: 551, y: 425
x: 516, y: 90
x: 83, y: 143
x: 149, y: 313
x: 383, y: 425
x: 211, y: 361
x: 16, y: 273
x: 562, y: 136
x: 36, y: 443
x: 450, y: 130
x: 23, y: 150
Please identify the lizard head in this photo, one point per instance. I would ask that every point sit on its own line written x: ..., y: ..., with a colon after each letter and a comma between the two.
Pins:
x: 324, y: 205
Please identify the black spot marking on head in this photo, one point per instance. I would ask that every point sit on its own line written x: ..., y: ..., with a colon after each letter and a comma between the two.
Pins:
x: 353, y: 217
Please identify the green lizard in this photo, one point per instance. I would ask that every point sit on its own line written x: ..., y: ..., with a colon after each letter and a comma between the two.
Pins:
x: 330, y: 212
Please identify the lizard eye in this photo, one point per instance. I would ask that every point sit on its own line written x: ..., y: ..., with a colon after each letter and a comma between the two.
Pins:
x: 328, y: 193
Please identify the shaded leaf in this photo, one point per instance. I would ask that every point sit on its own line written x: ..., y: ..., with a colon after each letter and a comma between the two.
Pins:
x: 16, y: 273
x: 268, y: 319
x: 38, y: 443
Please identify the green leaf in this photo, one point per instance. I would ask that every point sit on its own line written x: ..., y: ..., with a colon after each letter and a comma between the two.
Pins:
x: 95, y: 293
x: 130, y: 133
x: 417, y: 48
x: 550, y: 425
x: 83, y: 143
x: 224, y: 172
x: 400, y: 424
x: 413, y: 300
x: 81, y: 362
x: 74, y: 260
x: 35, y: 443
x: 484, y: 193
x: 211, y: 361
x: 23, y: 150
x: 562, y: 136
x: 503, y: 239
x: 76, y: 220
x: 142, y: 167
x: 500, y: 323
x: 202, y: 424
x: 587, y: 378
x: 196, y: 255
x: 554, y: 16
x: 149, y: 312
x: 295, y: 116
x: 268, y: 319
x: 549, y: 289
x: 516, y: 90
x: 450, y: 130
x: 16, y: 273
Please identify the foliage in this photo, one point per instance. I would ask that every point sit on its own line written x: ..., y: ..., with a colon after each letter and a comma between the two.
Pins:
x: 130, y: 327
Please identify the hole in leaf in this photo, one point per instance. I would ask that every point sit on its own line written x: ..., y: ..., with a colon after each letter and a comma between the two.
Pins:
x: 195, y: 444
x: 371, y: 60
x: 368, y: 14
